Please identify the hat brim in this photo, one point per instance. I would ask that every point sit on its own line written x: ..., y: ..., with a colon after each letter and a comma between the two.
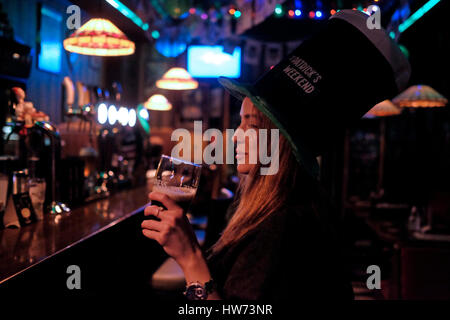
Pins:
x: 241, y: 90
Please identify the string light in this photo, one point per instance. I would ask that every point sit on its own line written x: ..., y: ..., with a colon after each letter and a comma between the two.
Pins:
x: 237, y: 14
x: 298, y: 12
x: 278, y: 10
x: 312, y: 14
x: 291, y: 13
x: 319, y: 14
x: 332, y: 11
x: 231, y: 11
x: 155, y: 34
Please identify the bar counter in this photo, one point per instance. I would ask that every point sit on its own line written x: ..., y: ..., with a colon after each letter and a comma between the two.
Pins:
x: 28, y: 247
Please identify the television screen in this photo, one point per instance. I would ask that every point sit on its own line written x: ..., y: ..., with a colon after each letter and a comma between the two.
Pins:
x: 213, y: 62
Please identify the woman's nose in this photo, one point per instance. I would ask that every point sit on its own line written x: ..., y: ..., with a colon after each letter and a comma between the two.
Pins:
x: 235, y: 135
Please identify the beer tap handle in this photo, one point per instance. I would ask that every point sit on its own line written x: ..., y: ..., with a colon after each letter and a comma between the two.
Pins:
x: 69, y: 94
x: 48, y: 128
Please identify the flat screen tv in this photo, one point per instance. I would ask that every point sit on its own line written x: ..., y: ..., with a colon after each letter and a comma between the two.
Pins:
x: 213, y: 62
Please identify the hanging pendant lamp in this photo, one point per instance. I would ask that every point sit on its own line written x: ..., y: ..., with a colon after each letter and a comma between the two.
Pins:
x: 383, y: 109
x: 420, y: 96
x: 99, y: 37
x: 158, y: 102
x: 177, y: 79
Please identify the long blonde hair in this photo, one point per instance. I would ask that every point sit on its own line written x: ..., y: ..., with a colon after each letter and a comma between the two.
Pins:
x: 260, y: 196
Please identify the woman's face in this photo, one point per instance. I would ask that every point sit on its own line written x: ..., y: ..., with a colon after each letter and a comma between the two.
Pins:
x: 244, y: 148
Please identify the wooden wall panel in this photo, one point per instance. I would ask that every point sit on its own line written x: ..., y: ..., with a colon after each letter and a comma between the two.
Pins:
x: 44, y: 88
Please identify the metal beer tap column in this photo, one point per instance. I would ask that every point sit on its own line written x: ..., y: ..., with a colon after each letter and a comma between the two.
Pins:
x: 56, y: 207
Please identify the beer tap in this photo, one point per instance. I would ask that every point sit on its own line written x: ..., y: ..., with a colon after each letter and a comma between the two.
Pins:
x: 56, y: 207
x: 25, y: 127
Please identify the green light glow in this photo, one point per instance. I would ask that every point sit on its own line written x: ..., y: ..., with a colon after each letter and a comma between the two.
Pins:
x: 155, y: 34
x: 278, y: 10
x: 417, y: 15
x: 404, y: 50
x: 123, y: 9
x: 145, y: 123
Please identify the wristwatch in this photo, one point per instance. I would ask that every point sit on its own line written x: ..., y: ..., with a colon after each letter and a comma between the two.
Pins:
x: 197, y: 291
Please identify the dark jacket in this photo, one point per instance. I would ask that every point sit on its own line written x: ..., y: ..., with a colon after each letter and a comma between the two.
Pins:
x: 293, y: 254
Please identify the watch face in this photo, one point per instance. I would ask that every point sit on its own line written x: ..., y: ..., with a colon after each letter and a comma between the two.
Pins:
x: 196, y: 292
x: 199, y: 292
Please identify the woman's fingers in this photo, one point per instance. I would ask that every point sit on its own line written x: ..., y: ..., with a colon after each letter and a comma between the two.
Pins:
x: 168, y: 216
x: 151, y: 225
x: 151, y: 234
x: 164, y: 199
x: 153, y: 211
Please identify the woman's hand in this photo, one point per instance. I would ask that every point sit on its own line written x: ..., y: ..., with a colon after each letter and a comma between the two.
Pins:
x: 174, y: 232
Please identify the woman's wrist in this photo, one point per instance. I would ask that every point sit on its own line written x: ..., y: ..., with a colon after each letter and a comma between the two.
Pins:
x: 195, y: 267
x: 196, y: 270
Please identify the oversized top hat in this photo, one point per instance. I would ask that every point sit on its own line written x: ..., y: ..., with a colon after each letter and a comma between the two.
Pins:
x: 328, y: 82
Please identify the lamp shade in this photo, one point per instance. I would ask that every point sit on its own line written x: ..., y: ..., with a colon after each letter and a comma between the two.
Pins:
x: 420, y: 96
x: 177, y: 79
x: 99, y: 37
x: 158, y: 102
x: 383, y: 109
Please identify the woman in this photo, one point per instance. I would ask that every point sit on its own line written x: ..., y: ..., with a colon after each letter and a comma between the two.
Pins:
x: 279, y: 243
x: 282, y: 241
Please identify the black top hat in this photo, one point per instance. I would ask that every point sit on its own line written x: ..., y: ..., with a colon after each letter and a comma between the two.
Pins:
x: 328, y: 82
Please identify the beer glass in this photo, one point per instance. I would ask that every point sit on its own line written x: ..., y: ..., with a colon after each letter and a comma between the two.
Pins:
x: 178, y: 179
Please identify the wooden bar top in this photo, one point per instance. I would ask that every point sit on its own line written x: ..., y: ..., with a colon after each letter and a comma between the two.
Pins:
x: 23, y: 248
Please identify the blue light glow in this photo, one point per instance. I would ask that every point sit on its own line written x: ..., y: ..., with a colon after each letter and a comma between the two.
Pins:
x: 50, y: 52
x: 298, y: 12
x: 319, y: 14
x: 50, y: 57
x: 212, y: 62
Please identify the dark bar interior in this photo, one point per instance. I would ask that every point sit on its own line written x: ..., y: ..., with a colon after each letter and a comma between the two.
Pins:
x: 126, y: 149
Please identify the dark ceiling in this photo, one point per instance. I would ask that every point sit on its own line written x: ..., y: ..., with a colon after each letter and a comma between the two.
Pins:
x: 102, y: 9
x: 272, y: 29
